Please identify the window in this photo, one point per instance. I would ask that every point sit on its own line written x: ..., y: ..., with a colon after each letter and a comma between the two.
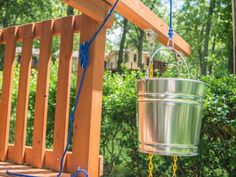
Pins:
x: 135, y: 57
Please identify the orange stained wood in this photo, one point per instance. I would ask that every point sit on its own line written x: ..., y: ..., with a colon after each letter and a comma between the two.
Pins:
x: 5, y: 107
x: 23, y: 93
x: 137, y: 13
x: 63, y: 91
x: 94, y: 8
x: 24, y: 169
x: 48, y: 157
x: 86, y: 140
x: 41, y: 104
x: 57, y: 28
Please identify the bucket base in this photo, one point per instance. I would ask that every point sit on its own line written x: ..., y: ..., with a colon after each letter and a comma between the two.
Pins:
x: 169, y: 150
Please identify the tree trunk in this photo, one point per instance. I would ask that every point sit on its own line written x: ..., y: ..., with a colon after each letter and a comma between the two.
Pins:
x: 234, y: 35
x: 141, y: 39
x: 207, y: 38
x: 122, y: 44
x: 140, y: 48
x: 210, y: 65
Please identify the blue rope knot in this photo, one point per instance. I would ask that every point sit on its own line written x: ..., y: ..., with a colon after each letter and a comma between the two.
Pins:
x: 171, y: 33
x: 84, y: 55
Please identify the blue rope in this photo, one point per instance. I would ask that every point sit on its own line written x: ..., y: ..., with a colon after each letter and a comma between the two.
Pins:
x: 80, y: 171
x: 16, y: 174
x: 171, y: 31
x: 84, y: 61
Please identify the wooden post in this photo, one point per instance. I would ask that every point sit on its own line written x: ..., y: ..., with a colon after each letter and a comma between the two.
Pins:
x: 86, y: 140
x: 234, y: 35
x: 5, y: 108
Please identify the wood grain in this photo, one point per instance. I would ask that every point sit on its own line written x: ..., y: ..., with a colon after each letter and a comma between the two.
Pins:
x: 86, y: 139
x: 5, y: 108
x: 41, y: 103
x: 23, y: 94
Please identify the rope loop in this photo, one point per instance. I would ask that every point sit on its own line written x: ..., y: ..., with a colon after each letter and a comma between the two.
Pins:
x: 84, y: 55
x: 80, y: 171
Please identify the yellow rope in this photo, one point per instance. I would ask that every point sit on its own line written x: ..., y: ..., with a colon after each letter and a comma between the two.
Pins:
x: 174, y: 166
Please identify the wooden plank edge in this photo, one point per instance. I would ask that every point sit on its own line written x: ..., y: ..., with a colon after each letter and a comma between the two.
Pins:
x: 38, y: 25
x: 95, y: 9
x: 48, y: 155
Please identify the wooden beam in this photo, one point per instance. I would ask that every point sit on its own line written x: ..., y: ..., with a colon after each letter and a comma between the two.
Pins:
x: 95, y: 9
x: 137, y: 13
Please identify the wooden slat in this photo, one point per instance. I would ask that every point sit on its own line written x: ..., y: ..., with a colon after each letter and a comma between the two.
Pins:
x: 86, y: 139
x: 23, y: 92
x: 5, y: 108
x: 63, y: 91
x: 57, y: 28
x: 41, y: 104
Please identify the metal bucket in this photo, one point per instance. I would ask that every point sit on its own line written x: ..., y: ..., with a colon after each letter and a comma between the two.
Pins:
x: 169, y: 115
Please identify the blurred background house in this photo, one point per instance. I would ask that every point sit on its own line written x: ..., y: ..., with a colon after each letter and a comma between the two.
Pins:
x: 130, y: 61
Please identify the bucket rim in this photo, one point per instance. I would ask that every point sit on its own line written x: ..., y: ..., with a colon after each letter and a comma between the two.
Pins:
x: 175, y: 79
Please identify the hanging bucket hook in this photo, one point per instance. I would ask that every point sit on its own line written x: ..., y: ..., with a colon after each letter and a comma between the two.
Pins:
x: 171, y: 49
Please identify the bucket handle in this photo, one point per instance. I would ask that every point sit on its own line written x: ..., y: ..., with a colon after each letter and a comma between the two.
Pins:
x: 172, y: 49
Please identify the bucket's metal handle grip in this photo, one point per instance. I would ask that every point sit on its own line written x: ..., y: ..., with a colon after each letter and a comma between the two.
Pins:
x: 172, y: 49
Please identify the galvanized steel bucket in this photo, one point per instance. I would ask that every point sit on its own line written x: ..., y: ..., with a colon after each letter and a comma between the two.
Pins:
x: 169, y: 115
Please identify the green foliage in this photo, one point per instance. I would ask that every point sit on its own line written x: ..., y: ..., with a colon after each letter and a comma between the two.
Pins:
x: 191, y: 24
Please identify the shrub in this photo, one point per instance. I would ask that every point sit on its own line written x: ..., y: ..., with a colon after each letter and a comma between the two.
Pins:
x: 217, y: 148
